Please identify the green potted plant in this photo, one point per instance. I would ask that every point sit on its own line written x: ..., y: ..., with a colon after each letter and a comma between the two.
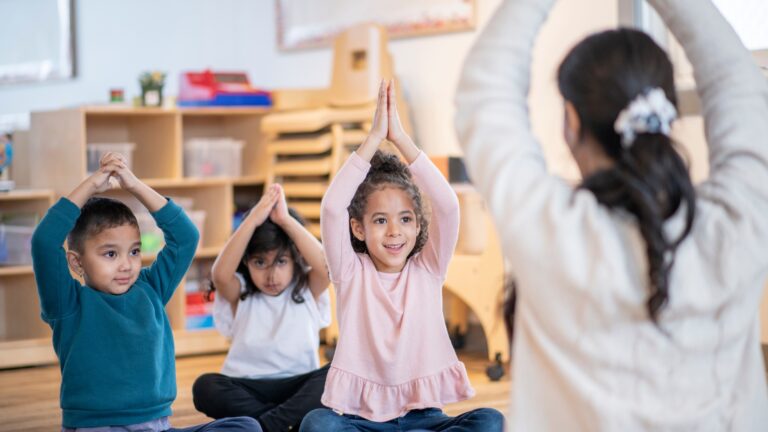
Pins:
x: 152, y: 88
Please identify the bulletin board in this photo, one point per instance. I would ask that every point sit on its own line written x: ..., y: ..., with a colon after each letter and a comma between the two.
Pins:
x: 310, y: 24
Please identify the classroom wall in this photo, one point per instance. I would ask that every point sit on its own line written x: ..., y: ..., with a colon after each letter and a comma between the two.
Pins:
x: 116, y: 40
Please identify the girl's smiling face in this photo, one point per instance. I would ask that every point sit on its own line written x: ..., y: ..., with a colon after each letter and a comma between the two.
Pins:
x: 389, y: 228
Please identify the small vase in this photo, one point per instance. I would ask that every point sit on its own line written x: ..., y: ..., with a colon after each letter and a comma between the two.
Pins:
x: 152, y: 96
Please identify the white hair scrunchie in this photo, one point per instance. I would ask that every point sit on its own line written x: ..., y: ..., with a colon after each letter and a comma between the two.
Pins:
x: 649, y: 112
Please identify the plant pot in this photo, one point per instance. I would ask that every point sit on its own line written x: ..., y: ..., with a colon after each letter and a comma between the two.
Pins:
x: 152, y: 96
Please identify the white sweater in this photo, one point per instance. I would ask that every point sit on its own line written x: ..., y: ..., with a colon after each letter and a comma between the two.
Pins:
x: 586, y: 356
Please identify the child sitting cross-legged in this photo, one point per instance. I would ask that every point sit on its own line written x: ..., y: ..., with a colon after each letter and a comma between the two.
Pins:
x: 271, y: 285
x: 111, y: 334
x: 394, y: 367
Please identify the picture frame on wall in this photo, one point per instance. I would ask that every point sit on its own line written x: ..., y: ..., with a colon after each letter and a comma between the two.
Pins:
x: 302, y: 24
x: 39, y: 41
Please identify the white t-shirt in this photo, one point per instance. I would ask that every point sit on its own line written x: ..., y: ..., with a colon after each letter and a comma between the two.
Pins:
x: 272, y: 337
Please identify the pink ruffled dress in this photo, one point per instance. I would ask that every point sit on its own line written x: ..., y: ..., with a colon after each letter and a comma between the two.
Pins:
x: 393, y: 353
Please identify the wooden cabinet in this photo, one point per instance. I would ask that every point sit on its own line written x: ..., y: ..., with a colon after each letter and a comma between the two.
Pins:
x: 24, y: 337
x: 60, y: 140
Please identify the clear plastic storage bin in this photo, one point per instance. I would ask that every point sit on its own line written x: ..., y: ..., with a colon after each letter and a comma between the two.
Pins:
x: 212, y: 157
x: 152, y: 238
x: 198, y: 218
x: 97, y: 150
x: 15, y: 245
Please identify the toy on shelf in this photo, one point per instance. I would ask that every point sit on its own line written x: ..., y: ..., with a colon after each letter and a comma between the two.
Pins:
x: 6, y: 157
x: 199, y: 301
x: 210, y: 89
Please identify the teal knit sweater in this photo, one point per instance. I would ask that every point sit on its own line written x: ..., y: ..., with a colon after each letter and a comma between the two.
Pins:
x: 115, y: 351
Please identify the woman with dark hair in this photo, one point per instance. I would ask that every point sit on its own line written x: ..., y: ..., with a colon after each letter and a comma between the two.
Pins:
x: 636, y: 294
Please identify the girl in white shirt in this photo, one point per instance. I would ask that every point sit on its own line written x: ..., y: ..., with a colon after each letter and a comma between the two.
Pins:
x: 271, y: 299
x: 638, y: 295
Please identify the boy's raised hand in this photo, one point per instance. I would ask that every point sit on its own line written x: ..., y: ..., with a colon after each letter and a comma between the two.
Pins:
x: 279, y: 213
x: 126, y: 179
x: 124, y: 176
x: 103, y: 179
x: 100, y: 181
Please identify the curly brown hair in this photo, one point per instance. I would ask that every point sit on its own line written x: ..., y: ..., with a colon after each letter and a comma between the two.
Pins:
x: 387, y: 170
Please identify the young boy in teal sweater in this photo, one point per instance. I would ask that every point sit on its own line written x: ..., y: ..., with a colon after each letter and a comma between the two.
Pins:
x: 112, y: 335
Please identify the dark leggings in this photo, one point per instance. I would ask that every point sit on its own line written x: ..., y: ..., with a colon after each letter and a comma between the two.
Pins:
x: 279, y: 404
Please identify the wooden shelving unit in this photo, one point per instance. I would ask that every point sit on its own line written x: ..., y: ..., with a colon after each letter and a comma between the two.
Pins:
x: 302, y: 149
x: 21, y: 329
x: 307, y: 147
x: 158, y: 158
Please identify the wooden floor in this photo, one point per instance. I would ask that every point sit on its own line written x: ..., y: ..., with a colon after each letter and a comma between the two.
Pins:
x: 29, y: 398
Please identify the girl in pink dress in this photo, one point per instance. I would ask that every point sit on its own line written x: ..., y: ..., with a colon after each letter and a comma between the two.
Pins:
x: 394, y: 366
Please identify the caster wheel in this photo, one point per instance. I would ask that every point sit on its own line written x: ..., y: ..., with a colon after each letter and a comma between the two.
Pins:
x: 496, y: 370
x: 330, y: 350
x: 458, y: 339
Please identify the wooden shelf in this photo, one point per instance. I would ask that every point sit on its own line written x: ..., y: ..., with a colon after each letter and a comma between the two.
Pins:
x: 16, y: 270
x: 314, y: 228
x: 305, y: 189
x: 202, y: 341
x: 188, y: 182
x: 27, y: 352
x: 187, y: 111
x: 321, y: 166
x: 24, y: 338
x: 354, y: 137
x: 310, y: 210
x: 208, y: 252
x: 39, y: 351
x: 315, y: 120
x: 253, y: 180
x: 207, y: 111
x: 123, y: 110
x: 26, y: 194
x: 158, y: 135
x: 202, y: 253
x: 26, y: 201
x: 301, y: 146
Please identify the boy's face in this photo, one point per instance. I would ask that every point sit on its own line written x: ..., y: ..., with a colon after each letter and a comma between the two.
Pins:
x: 270, y: 272
x: 389, y: 228
x: 111, y: 260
